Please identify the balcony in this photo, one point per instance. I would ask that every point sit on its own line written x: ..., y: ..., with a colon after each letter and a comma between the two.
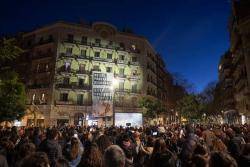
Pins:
x: 66, y: 55
x: 119, y: 48
x: 134, y: 77
x: 127, y: 91
x: 42, y: 42
x: 83, y: 57
x: 135, y: 63
x: 102, y: 59
x: 74, y: 103
x: 121, y: 61
x: 60, y: 102
x: 121, y: 76
x: 82, y: 72
x: 96, y: 69
x: 81, y: 87
x: 73, y: 86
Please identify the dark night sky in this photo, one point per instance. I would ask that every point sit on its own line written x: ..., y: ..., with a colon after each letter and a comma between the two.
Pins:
x: 190, y: 34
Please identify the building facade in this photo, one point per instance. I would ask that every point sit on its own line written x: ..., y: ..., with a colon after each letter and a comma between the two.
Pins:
x: 61, y: 62
x: 236, y: 64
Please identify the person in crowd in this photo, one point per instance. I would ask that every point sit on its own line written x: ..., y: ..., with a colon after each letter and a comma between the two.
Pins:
x: 222, y: 159
x: 103, y: 142
x: 114, y: 157
x: 236, y: 143
x: 92, y: 157
x: 188, y: 146
x: 38, y: 159
x: 162, y: 156
x: 3, y: 161
x: 51, y: 147
x: 244, y: 159
x: 61, y: 162
x: 25, y: 150
x: 73, y: 152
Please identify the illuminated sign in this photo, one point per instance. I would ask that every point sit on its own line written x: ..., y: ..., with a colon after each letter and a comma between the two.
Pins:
x: 102, y: 94
x: 132, y: 119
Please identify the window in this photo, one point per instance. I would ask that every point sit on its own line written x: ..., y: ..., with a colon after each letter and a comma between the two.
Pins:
x: 37, y: 67
x: 43, y: 97
x: 133, y: 47
x: 121, y: 71
x: 81, y: 82
x: 97, y: 54
x: 83, y: 52
x: 121, y: 45
x: 80, y: 99
x: 68, y: 51
x: 33, y: 97
x: 96, y: 68
x: 41, y: 40
x: 134, y: 59
x: 70, y: 38
x: 97, y: 41
x: 109, y: 56
x: 47, y: 67
x: 64, y: 97
x: 121, y: 57
x: 134, y: 88
x: 84, y: 40
x: 67, y: 66
x: 50, y: 38
x: 121, y: 85
x: 82, y: 67
x: 108, y: 69
x: 66, y: 81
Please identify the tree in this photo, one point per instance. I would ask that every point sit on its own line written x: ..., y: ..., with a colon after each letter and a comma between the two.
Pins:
x: 12, y: 92
x: 12, y: 97
x: 190, y: 107
x: 152, y: 107
x: 213, y: 96
x: 9, y: 50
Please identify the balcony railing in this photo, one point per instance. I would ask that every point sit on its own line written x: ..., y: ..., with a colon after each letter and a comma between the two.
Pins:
x: 98, y: 45
x: 76, y: 103
x: 73, y: 86
x: 82, y: 72
x: 135, y: 91
x: 121, y: 75
x: 134, y: 77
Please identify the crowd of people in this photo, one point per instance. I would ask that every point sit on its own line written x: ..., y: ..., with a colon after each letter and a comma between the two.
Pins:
x: 152, y: 146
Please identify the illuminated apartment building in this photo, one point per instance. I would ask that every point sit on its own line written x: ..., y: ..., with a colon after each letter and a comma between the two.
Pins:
x: 70, y: 67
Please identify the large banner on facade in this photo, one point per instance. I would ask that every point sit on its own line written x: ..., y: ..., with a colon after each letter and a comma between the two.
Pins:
x: 102, y: 94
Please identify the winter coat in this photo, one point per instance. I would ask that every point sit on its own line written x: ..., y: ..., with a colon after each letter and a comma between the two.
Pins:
x: 52, y: 149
